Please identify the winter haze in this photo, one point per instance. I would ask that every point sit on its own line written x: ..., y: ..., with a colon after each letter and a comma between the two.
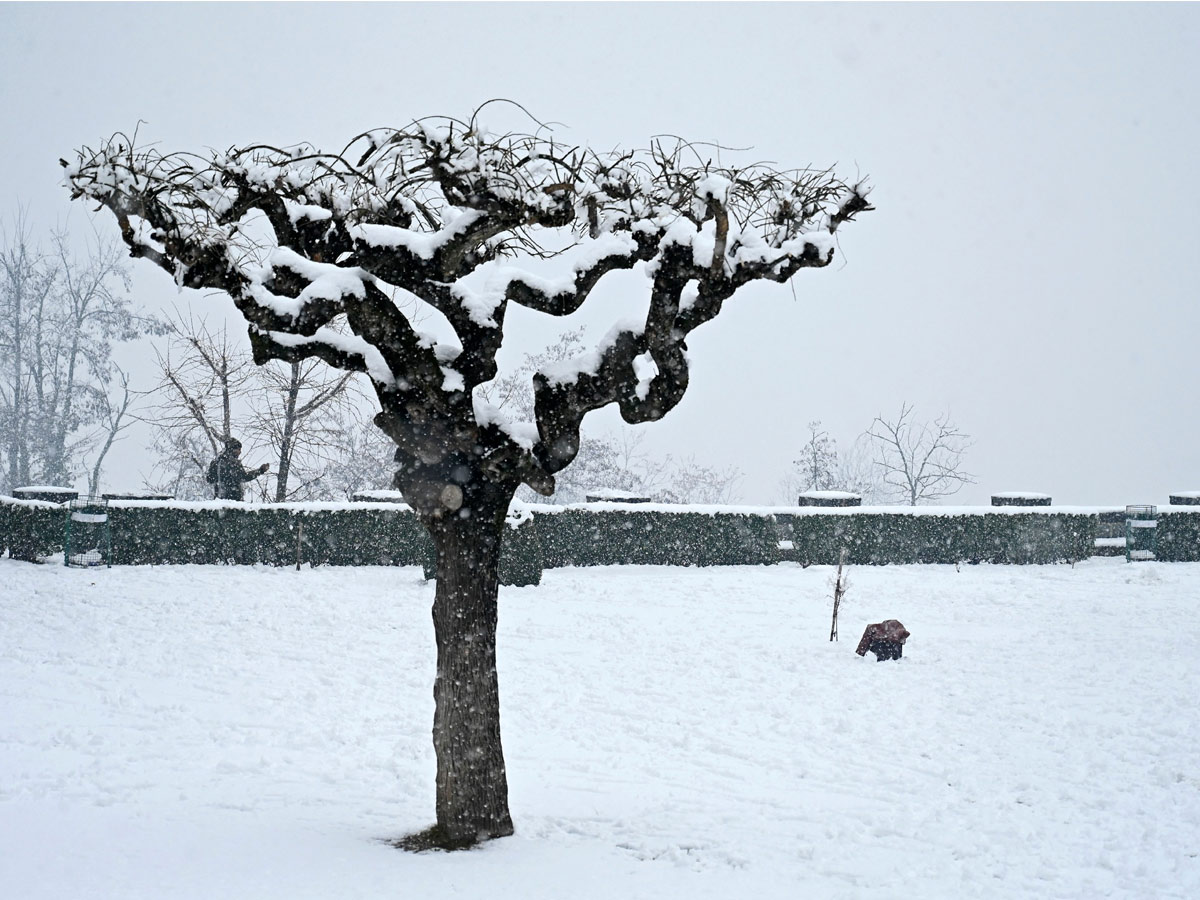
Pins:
x: 1031, y: 266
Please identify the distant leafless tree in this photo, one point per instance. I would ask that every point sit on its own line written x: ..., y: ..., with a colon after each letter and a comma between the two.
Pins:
x: 691, y: 481
x: 818, y: 462
x: 823, y: 466
x: 60, y: 318
x: 209, y: 391
x: 361, y: 456
x: 297, y: 416
x: 113, y: 418
x: 205, y: 380
x: 28, y: 280
x: 920, y: 461
x: 858, y: 473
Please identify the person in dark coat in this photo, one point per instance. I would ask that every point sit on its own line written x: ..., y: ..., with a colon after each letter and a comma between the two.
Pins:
x: 885, y: 639
x: 226, y: 473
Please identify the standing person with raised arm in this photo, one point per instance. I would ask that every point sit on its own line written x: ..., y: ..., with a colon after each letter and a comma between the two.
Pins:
x: 227, y: 474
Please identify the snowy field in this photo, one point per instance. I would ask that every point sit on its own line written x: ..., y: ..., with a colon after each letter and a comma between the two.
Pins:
x: 208, y: 732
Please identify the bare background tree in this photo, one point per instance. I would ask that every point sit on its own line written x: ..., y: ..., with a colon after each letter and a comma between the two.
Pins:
x: 300, y: 406
x: 858, y: 473
x: 199, y: 403
x: 209, y: 390
x: 818, y: 462
x: 63, y: 400
x: 823, y: 467
x: 920, y: 461
x: 114, y: 418
x: 310, y: 245
x: 361, y: 455
x: 691, y: 481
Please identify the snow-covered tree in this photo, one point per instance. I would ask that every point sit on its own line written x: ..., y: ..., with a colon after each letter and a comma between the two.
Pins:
x: 920, y: 461
x: 310, y: 245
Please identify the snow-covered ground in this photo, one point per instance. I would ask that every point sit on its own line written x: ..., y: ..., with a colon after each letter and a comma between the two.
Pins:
x: 208, y: 732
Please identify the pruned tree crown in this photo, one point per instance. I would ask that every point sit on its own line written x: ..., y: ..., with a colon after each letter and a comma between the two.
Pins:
x: 438, y: 210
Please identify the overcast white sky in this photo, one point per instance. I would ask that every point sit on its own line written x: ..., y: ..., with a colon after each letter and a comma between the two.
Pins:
x: 1032, y: 265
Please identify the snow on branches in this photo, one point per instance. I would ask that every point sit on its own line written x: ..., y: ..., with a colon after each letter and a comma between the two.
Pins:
x: 313, y: 247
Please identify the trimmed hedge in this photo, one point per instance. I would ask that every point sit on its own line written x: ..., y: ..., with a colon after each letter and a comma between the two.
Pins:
x: 31, y: 529
x: 147, y: 532
x: 274, y: 535
x: 904, y: 538
x: 621, y: 536
x: 207, y: 533
x: 1177, y: 537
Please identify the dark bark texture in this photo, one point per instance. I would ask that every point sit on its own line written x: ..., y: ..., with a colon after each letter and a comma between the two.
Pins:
x: 472, y: 787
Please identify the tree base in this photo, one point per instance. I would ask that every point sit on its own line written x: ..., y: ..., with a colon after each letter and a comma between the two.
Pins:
x: 437, y: 838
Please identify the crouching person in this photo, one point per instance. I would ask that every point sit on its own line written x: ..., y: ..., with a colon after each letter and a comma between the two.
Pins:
x: 885, y: 639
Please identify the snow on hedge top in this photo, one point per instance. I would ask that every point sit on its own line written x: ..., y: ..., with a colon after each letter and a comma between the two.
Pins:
x: 616, y: 496
x: 630, y: 504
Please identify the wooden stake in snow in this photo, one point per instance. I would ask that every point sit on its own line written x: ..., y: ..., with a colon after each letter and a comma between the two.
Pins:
x: 839, y: 591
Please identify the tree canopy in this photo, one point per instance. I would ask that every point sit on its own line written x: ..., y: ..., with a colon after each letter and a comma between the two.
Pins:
x: 439, y: 210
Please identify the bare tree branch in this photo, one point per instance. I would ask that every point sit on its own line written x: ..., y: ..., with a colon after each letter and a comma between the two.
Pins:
x: 921, y: 461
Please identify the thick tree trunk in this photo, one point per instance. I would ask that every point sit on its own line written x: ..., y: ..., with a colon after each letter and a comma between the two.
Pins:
x: 472, y: 788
